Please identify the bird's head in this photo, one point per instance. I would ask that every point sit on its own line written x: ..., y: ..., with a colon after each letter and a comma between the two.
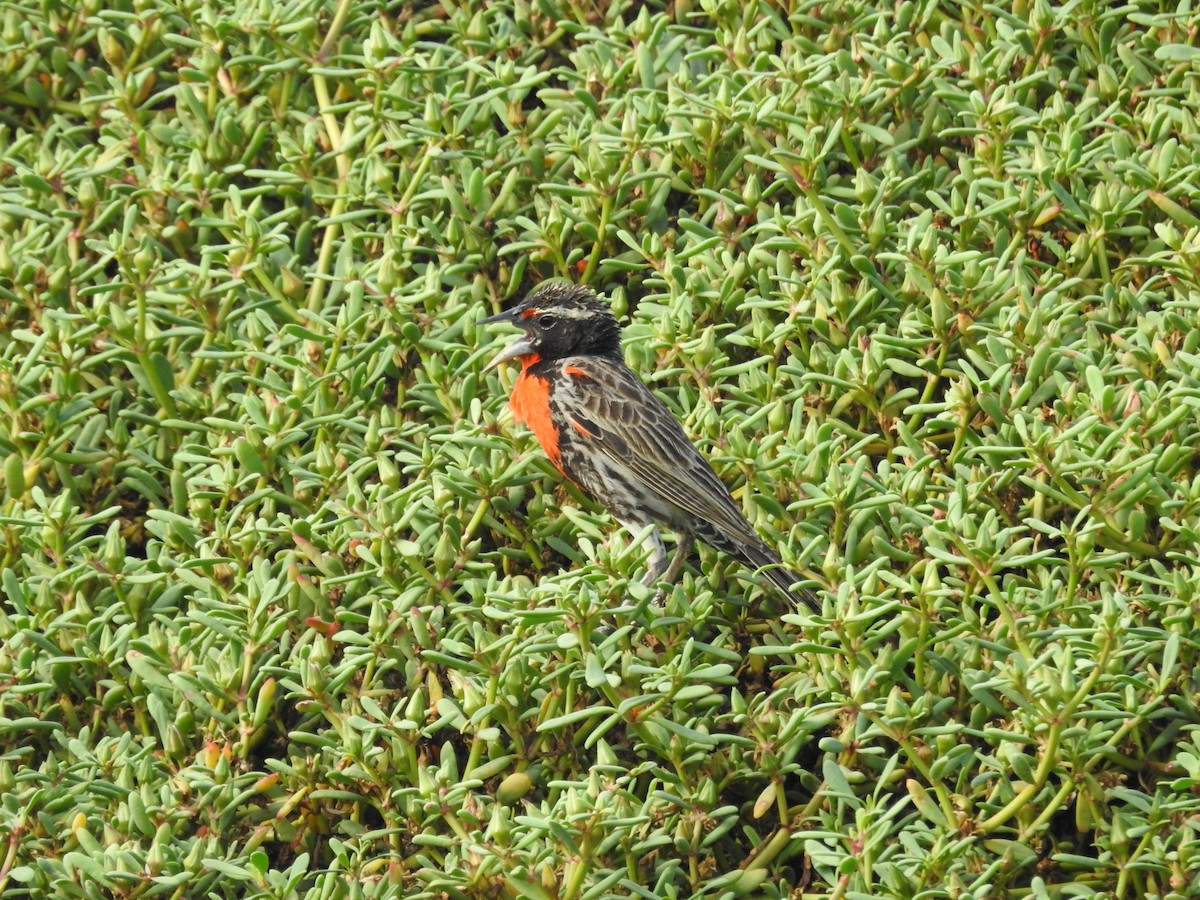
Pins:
x: 559, y: 319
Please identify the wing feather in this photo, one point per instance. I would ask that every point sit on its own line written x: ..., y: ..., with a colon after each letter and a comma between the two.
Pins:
x: 618, y: 414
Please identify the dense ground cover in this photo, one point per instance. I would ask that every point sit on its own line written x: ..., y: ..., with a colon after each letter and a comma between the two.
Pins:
x: 289, y: 606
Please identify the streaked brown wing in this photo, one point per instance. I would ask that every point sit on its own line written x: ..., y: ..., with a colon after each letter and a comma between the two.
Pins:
x: 612, y: 408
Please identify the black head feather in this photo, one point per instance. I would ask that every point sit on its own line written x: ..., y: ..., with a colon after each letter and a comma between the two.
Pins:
x: 565, y: 319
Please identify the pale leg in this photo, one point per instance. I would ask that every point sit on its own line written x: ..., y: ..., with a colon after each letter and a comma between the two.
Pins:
x: 657, y: 564
x: 683, y: 550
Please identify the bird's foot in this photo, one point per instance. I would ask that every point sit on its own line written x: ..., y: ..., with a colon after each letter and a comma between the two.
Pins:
x: 666, y: 577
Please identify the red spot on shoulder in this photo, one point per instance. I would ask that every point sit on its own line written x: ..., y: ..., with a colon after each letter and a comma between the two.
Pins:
x: 576, y: 371
x: 575, y: 423
x: 531, y: 404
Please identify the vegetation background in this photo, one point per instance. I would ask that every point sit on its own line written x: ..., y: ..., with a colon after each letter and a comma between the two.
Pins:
x: 290, y: 608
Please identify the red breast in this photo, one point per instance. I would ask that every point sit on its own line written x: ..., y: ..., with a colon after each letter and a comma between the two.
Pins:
x: 530, y: 404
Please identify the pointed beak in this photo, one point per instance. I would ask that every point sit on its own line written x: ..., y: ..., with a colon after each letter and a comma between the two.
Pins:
x: 518, y: 348
x: 505, y: 316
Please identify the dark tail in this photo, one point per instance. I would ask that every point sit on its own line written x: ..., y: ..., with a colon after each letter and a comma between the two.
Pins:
x: 758, y: 555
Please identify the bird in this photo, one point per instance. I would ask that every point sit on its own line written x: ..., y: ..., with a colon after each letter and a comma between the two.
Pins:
x: 603, y: 429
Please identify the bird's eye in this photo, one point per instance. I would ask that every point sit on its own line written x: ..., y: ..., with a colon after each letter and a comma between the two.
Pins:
x: 545, y: 320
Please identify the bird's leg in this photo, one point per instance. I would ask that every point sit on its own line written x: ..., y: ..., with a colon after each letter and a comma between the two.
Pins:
x: 657, y: 563
x: 657, y: 568
x: 683, y: 549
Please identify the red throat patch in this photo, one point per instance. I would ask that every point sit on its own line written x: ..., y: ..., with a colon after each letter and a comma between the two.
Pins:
x: 530, y: 404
